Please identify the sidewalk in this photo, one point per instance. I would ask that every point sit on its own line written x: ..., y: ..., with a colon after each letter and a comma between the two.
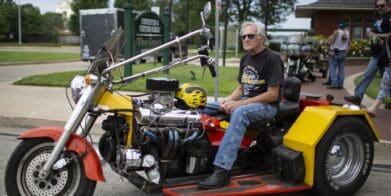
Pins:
x: 39, y: 106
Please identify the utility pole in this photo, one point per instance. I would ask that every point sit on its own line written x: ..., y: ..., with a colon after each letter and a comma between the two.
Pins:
x: 129, y: 34
x: 19, y: 24
x: 266, y: 15
x: 166, y: 35
x: 187, y: 25
x: 225, y: 30
x: 217, y: 48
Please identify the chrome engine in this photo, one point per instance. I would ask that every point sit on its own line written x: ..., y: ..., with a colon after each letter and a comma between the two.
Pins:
x: 159, y: 110
x: 149, y: 116
x: 159, y: 125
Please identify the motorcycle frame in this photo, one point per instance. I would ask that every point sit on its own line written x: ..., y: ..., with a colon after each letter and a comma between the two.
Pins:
x: 94, y: 92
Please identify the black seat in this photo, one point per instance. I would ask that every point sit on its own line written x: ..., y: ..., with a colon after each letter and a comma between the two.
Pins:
x: 291, y: 95
x: 289, y: 106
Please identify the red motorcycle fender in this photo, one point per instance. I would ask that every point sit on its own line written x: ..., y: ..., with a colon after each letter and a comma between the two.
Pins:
x: 91, y: 161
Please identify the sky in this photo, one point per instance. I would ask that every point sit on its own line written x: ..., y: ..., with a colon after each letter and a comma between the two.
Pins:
x: 292, y: 22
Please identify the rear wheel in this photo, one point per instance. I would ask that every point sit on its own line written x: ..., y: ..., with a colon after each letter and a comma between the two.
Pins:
x: 343, y: 157
x: 27, y: 160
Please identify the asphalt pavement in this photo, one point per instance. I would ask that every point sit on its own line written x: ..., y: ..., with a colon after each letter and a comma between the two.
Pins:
x: 39, y: 106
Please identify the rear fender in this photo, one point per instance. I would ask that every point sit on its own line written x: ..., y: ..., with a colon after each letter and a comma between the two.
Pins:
x: 311, y: 126
x: 91, y: 161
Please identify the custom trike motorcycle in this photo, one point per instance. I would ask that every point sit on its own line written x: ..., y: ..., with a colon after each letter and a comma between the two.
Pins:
x: 161, y: 142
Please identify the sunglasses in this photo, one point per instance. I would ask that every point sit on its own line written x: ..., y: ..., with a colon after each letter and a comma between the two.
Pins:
x: 249, y: 36
x: 380, y: 5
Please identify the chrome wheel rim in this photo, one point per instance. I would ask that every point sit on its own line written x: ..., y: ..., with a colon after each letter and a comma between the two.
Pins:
x: 345, y: 159
x: 63, y: 182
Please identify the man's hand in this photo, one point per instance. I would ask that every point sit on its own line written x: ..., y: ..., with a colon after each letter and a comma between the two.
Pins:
x: 230, y: 106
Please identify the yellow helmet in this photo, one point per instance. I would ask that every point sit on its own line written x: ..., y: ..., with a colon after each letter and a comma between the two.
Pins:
x: 191, y: 95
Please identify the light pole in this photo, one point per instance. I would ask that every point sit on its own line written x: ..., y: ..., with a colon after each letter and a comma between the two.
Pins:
x: 19, y: 24
x: 267, y: 15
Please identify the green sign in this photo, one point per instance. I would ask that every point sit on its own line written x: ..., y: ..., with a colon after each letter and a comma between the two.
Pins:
x: 149, y: 31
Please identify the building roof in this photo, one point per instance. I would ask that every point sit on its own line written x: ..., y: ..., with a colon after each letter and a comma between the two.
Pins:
x: 306, y: 11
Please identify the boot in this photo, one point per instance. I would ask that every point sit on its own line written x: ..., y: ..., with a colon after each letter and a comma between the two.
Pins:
x: 217, y: 179
x: 353, y: 99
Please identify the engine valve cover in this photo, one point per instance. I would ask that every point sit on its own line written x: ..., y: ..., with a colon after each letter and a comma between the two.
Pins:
x: 162, y: 84
x: 146, y: 116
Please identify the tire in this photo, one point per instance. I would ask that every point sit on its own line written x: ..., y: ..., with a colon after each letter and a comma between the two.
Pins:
x: 336, y: 171
x: 21, y: 177
x: 290, y: 70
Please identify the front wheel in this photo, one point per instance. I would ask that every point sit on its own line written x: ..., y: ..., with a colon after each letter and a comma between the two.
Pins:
x: 21, y: 177
x: 344, y: 157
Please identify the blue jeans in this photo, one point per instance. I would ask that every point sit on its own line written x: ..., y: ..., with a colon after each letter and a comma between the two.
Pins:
x: 385, y: 86
x: 369, y: 74
x: 241, y: 117
x: 337, y: 61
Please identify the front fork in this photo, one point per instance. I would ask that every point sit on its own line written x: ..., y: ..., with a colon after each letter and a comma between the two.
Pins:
x: 77, y: 116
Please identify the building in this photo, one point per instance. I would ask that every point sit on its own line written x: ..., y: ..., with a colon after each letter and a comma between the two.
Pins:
x: 325, y: 15
x: 64, y: 8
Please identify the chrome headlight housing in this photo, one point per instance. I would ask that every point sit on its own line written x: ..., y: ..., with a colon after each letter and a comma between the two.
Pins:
x: 78, y: 84
x: 293, y: 50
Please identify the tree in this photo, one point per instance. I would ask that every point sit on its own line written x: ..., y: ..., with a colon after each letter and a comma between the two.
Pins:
x: 278, y: 10
x: 77, y: 5
x: 138, y: 5
x: 8, y: 19
x: 31, y: 20
x: 242, y: 10
x: 192, y: 17
x: 52, y: 23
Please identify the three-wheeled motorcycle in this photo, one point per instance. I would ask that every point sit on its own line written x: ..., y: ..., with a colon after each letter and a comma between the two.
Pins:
x: 161, y: 143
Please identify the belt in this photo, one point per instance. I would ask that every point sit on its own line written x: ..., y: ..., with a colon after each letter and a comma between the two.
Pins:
x: 336, y: 50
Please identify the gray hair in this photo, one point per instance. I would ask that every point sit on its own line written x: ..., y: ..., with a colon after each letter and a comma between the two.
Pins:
x: 260, y: 27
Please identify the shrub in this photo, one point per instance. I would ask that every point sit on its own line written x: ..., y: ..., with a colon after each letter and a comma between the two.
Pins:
x: 274, y: 45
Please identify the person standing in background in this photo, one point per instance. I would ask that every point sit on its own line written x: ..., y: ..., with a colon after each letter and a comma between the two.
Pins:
x: 385, y: 86
x: 381, y: 30
x: 339, y: 44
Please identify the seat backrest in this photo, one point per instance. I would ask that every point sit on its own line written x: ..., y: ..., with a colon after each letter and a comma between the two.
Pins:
x: 291, y: 89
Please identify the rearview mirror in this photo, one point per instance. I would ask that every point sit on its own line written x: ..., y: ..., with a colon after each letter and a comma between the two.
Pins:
x: 207, y: 10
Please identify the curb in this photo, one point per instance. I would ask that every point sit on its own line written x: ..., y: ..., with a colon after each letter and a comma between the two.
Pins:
x: 31, y: 122
x: 37, y: 62
x: 350, y: 86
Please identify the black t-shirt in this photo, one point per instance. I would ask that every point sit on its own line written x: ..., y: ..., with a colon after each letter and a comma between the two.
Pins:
x: 260, y: 71
x: 381, y: 26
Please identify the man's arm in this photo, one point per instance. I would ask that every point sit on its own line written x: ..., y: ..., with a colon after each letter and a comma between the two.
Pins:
x: 380, y: 35
x: 235, y: 95
x: 332, y: 37
x: 270, y: 96
x: 348, y: 43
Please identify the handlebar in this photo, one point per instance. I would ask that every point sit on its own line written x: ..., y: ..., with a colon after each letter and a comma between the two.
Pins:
x: 207, y: 61
x: 162, y: 68
x: 212, y: 68
x: 202, y: 31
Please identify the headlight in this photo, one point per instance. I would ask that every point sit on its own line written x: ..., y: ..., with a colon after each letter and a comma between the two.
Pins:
x: 293, y: 49
x: 78, y: 83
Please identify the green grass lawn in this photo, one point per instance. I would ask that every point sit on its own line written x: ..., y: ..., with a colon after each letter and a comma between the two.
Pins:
x: 373, y: 88
x: 20, y: 56
x: 227, y: 79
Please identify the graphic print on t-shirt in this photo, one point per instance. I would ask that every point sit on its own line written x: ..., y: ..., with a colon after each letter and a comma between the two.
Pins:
x: 250, y: 80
